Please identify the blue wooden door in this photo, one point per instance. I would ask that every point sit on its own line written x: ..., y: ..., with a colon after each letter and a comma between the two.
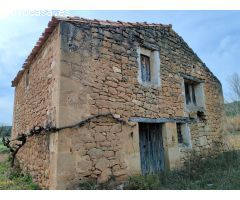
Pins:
x: 151, y: 148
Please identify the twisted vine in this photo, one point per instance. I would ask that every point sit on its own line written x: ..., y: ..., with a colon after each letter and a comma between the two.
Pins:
x: 16, y: 144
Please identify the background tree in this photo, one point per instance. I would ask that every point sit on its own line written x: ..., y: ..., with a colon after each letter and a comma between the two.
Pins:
x: 232, y: 108
x: 235, y: 86
x: 1, y: 131
x: 5, y: 131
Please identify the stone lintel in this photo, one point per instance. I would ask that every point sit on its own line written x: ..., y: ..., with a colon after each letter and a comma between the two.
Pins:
x: 159, y: 120
x: 191, y: 78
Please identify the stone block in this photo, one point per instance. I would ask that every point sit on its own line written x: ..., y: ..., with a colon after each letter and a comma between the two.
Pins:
x: 116, y: 128
x: 119, y: 172
x: 84, y: 165
x: 99, y: 137
x: 116, y: 69
x: 102, y: 164
x: 95, y: 153
x: 108, y: 154
x: 104, y: 176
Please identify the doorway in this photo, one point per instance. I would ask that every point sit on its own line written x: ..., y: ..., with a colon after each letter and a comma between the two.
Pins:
x: 151, y: 148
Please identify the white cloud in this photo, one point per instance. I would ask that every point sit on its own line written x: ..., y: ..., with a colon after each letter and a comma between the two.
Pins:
x: 18, y: 36
x: 6, y: 108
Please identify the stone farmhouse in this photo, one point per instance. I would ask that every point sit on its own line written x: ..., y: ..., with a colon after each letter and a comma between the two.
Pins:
x: 140, y: 99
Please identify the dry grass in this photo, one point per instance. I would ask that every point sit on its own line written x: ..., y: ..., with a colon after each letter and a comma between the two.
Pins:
x: 232, y: 124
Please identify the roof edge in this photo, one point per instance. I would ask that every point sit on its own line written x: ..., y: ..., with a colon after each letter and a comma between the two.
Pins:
x: 75, y: 20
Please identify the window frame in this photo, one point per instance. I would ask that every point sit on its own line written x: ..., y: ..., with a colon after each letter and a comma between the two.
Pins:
x: 190, y: 93
x: 179, y: 133
x: 199, y: 91
x: 183, y: 131
x: 145, y: 68
x: 154, y: 69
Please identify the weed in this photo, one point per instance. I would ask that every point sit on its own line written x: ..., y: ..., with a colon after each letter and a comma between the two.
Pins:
x: 3, y: 149
x: 14, y: 179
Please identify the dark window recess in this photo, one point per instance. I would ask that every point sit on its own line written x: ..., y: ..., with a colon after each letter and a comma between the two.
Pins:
x: 145, y: 68
x: 190, y: 93
x: 193, y: 96
x: 27, y: 78
x: 187, y: 93
x: 179, y: 133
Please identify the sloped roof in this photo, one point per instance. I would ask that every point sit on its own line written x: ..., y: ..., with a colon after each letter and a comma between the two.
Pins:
x: 74, y: 20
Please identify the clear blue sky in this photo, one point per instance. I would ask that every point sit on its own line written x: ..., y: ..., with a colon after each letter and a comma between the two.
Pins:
x: 213, y: 35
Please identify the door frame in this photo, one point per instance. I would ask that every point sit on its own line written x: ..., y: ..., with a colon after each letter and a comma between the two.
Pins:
x: 148, y: 137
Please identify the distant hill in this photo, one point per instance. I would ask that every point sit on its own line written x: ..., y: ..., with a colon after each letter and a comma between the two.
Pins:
x: 232, y: 109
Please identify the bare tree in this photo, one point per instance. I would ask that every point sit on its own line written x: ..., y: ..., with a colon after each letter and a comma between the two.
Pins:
x: 235, y: 86
x: 234, y: 82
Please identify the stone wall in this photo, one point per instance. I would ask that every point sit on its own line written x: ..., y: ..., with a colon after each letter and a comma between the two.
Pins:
x: 85, y: 70
x: 34, y: 159
x: 102, y: 149
x: 36, y: 105
x: 102, y: 61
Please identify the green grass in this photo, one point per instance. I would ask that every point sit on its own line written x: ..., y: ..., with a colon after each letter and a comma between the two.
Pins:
x: 222, y: 173
x: 13, y: 179
x: 3, y: 149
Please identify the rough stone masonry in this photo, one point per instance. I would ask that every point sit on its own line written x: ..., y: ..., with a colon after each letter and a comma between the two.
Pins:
x: 143, y: 74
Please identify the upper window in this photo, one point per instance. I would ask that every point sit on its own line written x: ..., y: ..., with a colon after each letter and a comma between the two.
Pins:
x: 145, y: 68
x: 149, y: 67
x: 190, y: 94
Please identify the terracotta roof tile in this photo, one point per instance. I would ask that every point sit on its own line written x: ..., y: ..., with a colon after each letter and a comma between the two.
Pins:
x: 75, y: 20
